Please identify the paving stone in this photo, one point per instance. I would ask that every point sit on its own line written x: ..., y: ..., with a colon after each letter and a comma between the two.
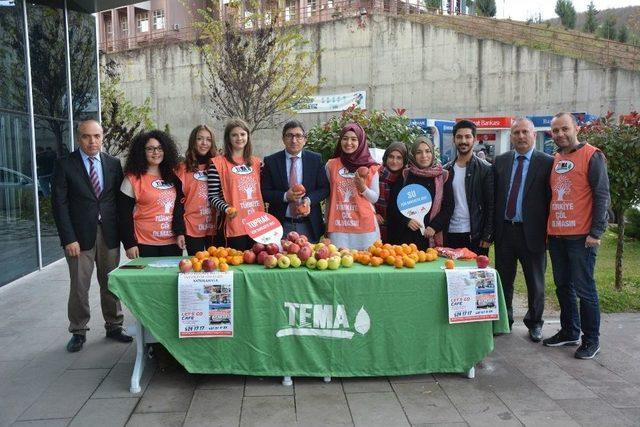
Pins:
x: 632, y: 414
x: 10, y: 368
x: 105, y: 412
x: 220, y: 407
x: 376, y: 409
x: 320, y: 404
x: 31, y: 342
x: 266, y: 386
x: 421, y: 378
x: 426, y: 403
x: 66, y: 395
x: 619, y: 396
x: 593, y: 412
x: 366, y: 385
x: 100, y: 352
x: 557, y: 418
x: 158, y: 419
x: 268, y: 411
x: 117, y: 383
x: 57, y: 422
x: 168, y: 392
x: 212, y: 382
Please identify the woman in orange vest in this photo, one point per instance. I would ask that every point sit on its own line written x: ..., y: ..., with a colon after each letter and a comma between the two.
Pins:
x: 354, y: 188
x: 199, y: 218
x: 149, y: 204
x: 234, y: 183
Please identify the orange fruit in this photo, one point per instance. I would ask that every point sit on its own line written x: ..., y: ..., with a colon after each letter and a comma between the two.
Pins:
x: 406, y: 249
x: 422, y: 256
x: 223, y: 267
x: 390, y: 260
x: 370, y: 249
x: 366, y: 259
x: 398, y: 263
x: 413, y: 247
x: 409, y: 262
x: 449, y: 264
x: 202, y: 255
x: 384, y: 253
x: 376, y: 261
x: 432, y: 257
x: 377, y: 243
x: 387, y: 246
x: 212, y: 250
x: 236, y: 260
x: 197, y: 266
x: 194, y: 260
x: 398, y: 250
x: 223, y: 253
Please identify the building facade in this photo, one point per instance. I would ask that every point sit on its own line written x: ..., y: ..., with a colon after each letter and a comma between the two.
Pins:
x: 44, y: 93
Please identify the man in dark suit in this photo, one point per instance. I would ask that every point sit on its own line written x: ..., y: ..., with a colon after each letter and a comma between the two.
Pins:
x: 85, y: 185
x: 522, y: 207
x: 295, y: 165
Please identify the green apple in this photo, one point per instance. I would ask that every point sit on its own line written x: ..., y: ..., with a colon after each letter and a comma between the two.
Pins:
x: 284, y: 262
x: 318, y: 246
x: 334, y: 263
x: 347, y: 261
x: 322, y: 264
x: 295, y: 261
x: 333, y: 249
x: 311, y: 263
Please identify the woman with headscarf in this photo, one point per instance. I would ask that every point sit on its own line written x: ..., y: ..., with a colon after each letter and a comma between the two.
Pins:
x: 425, y: 170
x: 393, y: 162
x: 354, y: 188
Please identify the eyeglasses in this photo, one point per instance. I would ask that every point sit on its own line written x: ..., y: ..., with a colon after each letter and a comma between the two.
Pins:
x: 153, y: 149
x: 292, y: 136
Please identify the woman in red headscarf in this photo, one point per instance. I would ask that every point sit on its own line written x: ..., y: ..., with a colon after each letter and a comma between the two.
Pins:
x: 354, y: 184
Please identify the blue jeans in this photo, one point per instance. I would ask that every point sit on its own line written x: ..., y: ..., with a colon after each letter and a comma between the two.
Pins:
x: 573, y: 266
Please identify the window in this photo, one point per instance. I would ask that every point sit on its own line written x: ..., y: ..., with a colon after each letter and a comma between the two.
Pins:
x: 158, y: 19
x: 107, y: 27
x: 312, y: 7
x: 290, y: 10
x: 124, y: 24
x: 142, y: 22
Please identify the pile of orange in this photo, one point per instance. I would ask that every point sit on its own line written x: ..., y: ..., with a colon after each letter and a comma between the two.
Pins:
x: 398, y: 256
x: 221, y: 257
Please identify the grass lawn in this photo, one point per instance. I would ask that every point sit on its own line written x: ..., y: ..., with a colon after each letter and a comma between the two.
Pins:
x: 611, y: 300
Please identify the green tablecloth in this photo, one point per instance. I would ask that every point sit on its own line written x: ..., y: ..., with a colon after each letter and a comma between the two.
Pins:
x: 408, y: 329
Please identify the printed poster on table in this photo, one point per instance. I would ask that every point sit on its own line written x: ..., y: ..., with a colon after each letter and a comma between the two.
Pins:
x: 473, y: 295
x: 205, y: 304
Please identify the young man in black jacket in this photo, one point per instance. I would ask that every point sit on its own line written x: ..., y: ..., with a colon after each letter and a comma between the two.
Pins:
x: 471, y: 224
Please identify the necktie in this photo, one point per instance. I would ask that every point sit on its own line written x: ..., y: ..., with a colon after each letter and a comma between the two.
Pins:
x: 515, y: 189
x: 93, y: 174
x: 293, y: 180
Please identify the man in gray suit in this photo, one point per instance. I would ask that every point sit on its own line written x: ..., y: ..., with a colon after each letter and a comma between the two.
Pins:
x: 522, y: 195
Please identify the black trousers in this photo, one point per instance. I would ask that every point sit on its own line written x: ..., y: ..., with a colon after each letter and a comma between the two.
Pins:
x: 240, y: 243
x: 195, y: 244
x: 510, y: 249
x: 155, y: 251
x: 463, y: 240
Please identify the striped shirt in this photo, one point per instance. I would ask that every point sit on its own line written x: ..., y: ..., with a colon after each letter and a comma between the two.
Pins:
x: 214, y: 190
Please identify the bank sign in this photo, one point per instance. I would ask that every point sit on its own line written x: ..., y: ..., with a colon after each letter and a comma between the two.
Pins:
x: 323, y: 320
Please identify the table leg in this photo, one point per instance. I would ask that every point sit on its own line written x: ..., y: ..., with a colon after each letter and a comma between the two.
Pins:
x: 327, y: 379
x: 471, y: 373
x: 287, y: 381
x: 138, y: 368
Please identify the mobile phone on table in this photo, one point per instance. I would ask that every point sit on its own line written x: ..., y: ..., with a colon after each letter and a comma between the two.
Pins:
x: 133, y: 266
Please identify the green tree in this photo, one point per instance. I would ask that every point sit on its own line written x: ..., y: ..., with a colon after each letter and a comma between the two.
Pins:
x: 121, y: 119
x: 619, y: 140
x: 623, y: 34
x: 433, y: 4
x: 567, y: 13
x: 591, y: 21
x: 485, y: 8
x: 256, y: 69
x: 608, y: 28
x: 382, y: 129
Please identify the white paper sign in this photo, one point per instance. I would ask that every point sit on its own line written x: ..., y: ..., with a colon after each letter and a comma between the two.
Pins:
x: 473, y: 294
x: 205, y: 304
x: 331, y: 103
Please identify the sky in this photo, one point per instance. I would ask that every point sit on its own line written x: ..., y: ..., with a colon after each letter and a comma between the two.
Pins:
x: 524, y: 9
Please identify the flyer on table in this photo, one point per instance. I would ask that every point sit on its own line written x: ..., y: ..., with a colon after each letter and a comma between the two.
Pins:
x: 205, y: 304
x: 472, y: 295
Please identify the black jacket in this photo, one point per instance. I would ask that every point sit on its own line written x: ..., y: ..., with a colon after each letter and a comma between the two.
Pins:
x: 479, y: 189
x: 75, y: 205
x: 535, y: 199
x: 398, y: 231
x: 274, y: 184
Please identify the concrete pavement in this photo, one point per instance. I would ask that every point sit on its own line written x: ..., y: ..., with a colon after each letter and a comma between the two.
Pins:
x: 521, y: 383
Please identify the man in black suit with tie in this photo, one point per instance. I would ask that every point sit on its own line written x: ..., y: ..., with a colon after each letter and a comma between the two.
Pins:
x: 295, y: 165
x: 84, y: 189
x: 522, y: 207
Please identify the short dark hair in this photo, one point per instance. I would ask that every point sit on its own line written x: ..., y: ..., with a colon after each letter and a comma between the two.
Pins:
x: 292, y: 124
x: 464, y: 124
x: 564, y: 113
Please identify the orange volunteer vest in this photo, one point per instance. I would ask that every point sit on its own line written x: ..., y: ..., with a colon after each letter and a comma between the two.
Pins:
x: 241, y: 189
x: 199, y: 217
x: 571, y: 199
x: 348, y: 211
x: 153, y: 213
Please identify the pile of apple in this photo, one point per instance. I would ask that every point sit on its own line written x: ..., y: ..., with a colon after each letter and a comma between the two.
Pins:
x: 298, y: 251
x: 211, y: 260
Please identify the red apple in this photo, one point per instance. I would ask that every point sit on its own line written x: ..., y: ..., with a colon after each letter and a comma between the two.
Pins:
x: 209, y: 265
x: 363, y: 171
x: 261, y: 256
x: 293, y: 248
x: 482, y: 261
x: 293, y: 236
x: 298, y: 188
x: 185, y: 265
x: 302, y: 240
x: 257, y: 248
x: 272, y: 249
x: 326, y: 241
x: 270, y: 261
x: 285, y: 244
x: 323, y: 253
x: 304, y: 253
x: 249, y: 257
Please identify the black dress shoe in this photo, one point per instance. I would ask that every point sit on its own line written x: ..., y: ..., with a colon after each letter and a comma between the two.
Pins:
x: 535, y: 333
x: 119, y: 335
x: 75, y: 343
